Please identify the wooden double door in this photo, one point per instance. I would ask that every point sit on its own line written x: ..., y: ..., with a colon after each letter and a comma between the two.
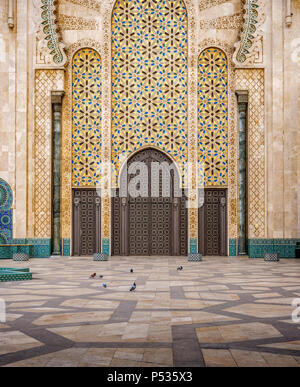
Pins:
x: 212, y: 223
x: 86, y: 222
x: 147, y: 225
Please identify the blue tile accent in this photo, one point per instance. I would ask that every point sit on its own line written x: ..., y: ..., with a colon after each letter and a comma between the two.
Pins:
x: 41, y: 247
x: 6, y: 213
x: 232, y: 247
x: 6, y: 225
x: 6, y: 196
x: 106, y: 246
x: 13, y: 274
x: 284, y: 247
x: 193, y: 246
x: 5, y: 252
x: 66, y: 251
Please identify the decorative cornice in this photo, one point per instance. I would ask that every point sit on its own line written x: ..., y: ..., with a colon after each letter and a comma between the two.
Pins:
x: 56, y: 96
x: 50, y: 29
x: 222, y: 22
x: 242, y: 96
x: 253, y: 17
x: 204, y: 4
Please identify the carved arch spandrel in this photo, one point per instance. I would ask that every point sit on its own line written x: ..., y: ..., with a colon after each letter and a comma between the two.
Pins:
x: 250, y: 40
x: 51, y: 30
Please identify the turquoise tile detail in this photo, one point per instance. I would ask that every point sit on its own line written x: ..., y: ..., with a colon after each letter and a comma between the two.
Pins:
x: 41, y: 247
x: 66, y: 244
x: 193, y: 246
x: 284, y: 247
x: 12, y: 274
x: 106, y: 246
x: 5, y: 252
x: 232, y: 247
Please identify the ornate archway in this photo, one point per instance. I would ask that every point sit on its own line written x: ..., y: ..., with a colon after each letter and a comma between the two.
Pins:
x: 149, y: 212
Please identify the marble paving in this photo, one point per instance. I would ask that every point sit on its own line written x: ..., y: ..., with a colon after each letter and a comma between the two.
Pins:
x: 230, y: 312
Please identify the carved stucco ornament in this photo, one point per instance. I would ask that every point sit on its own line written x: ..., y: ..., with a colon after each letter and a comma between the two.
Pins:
x: 249, y: 47
x: 50, y: 28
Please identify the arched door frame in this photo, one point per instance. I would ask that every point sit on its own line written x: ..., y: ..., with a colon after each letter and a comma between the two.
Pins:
x: 149, y: 153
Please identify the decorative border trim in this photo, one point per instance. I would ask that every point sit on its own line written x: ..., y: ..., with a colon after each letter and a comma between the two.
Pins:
x: 257, y: 248
x: 253, y: 17
x: 50, y: 29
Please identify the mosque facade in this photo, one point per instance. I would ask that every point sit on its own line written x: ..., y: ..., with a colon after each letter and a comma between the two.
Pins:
x: 208, y: 90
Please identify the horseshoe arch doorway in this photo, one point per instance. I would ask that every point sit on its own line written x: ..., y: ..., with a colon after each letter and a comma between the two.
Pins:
x: 152, y: 220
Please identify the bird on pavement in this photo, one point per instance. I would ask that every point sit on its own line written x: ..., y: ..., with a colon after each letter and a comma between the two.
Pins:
x: 133, y: 287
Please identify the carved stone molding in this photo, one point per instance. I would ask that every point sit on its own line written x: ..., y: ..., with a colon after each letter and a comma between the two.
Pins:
x: 248, y: 50
x: 52, y: 36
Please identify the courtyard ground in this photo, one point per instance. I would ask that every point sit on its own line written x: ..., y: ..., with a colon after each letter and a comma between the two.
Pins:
x: 219, y: 312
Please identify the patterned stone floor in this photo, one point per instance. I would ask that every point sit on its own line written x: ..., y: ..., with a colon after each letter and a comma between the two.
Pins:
x: 219, y: 312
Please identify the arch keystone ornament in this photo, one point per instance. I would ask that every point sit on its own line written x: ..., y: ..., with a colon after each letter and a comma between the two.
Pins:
x: 50, y: 29
x: 251, y: 33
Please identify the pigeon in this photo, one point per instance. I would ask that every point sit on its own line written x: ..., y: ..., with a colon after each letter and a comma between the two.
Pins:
x: 131, y: 270
x: 133, y: 287
x: 104, y: 285
x: 179, y: 268
x: 93, y: 275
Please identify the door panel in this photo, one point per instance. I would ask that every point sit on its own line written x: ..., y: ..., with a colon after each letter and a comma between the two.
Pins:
x: 139, y: 226
x: 161, y: 227
x: 213, y: 223
x: 86, y: 222
x: 146, y: 225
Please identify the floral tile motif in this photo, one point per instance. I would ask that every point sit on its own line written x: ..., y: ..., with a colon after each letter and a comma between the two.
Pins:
x: 213, y: 116
x: 86, y: 118
x: 149, y: 78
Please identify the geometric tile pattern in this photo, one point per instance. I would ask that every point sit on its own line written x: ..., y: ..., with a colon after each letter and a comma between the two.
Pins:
x: 286, y: 248
x: 6, y: 219
x: 253, y: 81
x: 86, y: 118
x: 213, y: 116
x: 219, y: 312
x: 6, y: 196
x: 9, y: 274
x: 149, y: 78
x: 6, y: 226
x: 20, y: 257
x: 67, y: 128
x: 46, y: 81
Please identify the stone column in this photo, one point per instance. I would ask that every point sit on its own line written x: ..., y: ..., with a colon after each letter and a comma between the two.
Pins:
x: 242, y: 97
x: 56, y: 119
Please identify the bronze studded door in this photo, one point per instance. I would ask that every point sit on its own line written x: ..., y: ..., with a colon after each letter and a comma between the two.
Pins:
x: 149, y: 225
x: 213, y: 223
x: 161, y: 226
x: 139, y: 226
x: 86, y: 222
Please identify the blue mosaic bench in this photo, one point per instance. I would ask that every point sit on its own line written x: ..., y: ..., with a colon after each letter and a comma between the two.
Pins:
x: 13, y: 274
x: 8, y: 250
